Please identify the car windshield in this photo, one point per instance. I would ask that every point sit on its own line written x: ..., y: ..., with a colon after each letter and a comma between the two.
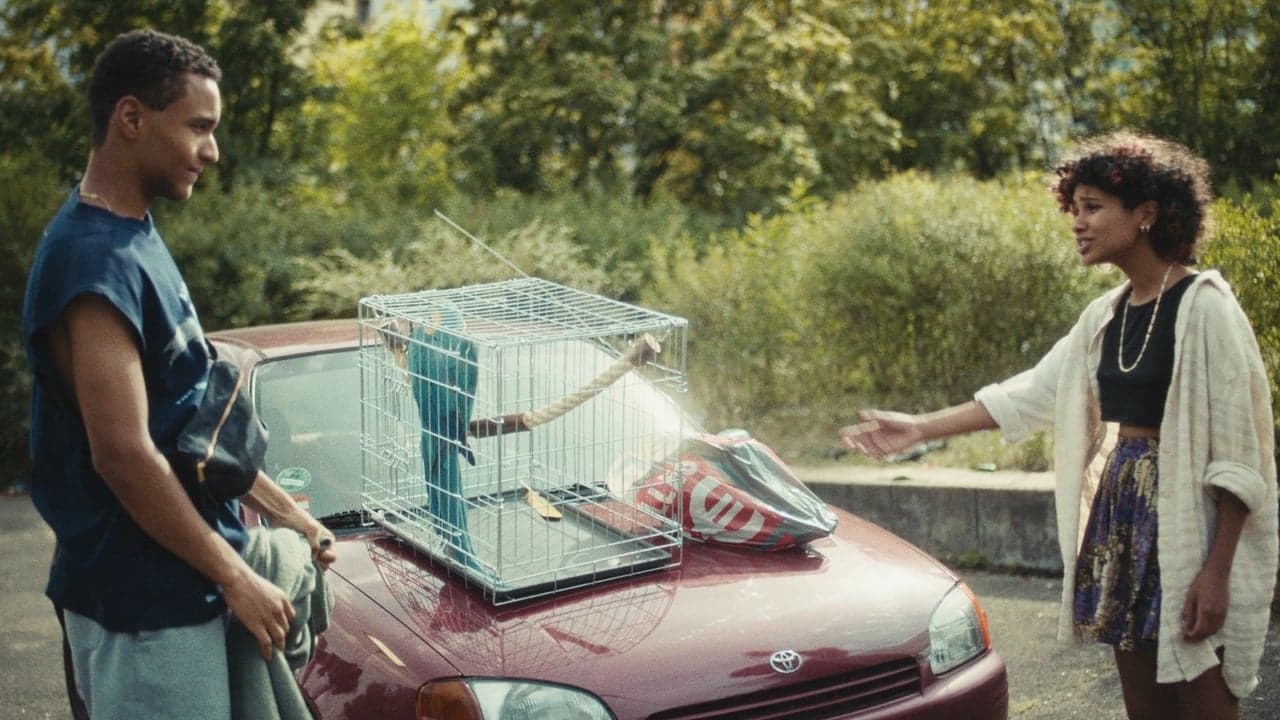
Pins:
x: 311, y: 407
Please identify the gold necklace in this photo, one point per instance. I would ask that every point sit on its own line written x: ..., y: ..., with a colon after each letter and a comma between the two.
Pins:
x: 96, y: 197
x: 1124, y: 320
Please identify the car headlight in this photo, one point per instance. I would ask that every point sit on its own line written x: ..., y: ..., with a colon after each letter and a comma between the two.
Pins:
x: 482, y: 699
x: 958, y: 630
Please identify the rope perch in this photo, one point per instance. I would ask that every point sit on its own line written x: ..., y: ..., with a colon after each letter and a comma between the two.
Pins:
x: 640, y: 352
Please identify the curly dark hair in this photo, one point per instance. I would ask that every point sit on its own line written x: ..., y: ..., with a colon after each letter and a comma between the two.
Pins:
x: 1137, y: 168
x: 148, y: 65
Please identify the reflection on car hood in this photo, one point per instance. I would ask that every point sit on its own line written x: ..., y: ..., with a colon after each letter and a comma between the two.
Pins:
x: 858, y: 598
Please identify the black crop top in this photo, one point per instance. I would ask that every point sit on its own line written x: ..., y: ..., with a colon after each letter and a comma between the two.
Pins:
x: 1137, y: 397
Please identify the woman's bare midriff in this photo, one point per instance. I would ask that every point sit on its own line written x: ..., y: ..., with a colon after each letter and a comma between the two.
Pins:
x: 1134, y: 431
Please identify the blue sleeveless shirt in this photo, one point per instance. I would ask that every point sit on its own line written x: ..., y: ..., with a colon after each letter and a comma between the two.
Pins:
x: 106, y: 568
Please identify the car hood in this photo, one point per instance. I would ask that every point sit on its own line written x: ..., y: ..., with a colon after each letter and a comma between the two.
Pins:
x: 858, y: 598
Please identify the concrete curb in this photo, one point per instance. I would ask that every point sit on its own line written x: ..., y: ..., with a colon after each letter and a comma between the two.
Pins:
x: 1001, y: 519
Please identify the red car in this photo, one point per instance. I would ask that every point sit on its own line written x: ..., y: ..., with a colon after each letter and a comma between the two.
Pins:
x: 859, y: 624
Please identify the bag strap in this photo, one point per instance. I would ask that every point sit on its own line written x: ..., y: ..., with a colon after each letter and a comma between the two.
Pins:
x: 217, y: 429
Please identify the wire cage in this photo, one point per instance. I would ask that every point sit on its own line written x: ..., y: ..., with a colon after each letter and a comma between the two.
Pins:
x: 508, y: 428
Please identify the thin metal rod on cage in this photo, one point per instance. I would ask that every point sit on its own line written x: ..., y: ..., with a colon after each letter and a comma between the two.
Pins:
x: 480, y: 242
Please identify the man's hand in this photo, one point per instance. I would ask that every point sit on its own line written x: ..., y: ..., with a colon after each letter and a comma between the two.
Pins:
x: 320, y: 538
x: 261, y: 607
x: 267, y: 498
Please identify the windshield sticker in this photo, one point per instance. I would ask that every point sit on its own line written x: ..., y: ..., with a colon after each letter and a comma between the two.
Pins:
x: 293, y: 479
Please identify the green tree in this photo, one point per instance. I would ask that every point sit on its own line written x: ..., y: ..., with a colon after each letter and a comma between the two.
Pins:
x: 728, y: 105
x: 976, y: 85
x: 47, y: 48
x: 257, y: 44
x: 1201, y: 73
x: 379, y: 127
x: 42, y: 111
x: 1092, y: 66
x: 1265, y: 115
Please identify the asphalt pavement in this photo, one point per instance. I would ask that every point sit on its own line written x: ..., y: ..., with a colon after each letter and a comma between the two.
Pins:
x: 31, y: 680
x: 1048, y: 680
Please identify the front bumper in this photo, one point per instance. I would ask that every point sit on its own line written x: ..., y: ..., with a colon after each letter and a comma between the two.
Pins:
x: 978, y: 690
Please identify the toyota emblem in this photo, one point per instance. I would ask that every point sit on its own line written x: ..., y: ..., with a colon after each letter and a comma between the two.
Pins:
x: 785, y: 661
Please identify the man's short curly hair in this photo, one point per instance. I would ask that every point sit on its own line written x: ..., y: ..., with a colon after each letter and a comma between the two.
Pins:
x: 1137, y: 168
x: 148, y: 65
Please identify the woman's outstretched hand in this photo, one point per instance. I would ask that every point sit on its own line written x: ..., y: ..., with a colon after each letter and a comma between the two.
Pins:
x: 882, y: 433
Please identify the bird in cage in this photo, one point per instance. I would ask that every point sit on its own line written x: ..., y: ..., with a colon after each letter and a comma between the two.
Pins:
x: 442, y: 368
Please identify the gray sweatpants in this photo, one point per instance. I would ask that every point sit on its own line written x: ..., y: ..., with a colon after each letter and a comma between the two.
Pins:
x: 154, y: 674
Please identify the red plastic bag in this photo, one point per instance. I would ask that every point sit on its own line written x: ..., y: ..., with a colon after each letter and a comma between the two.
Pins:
x: 737, y: 491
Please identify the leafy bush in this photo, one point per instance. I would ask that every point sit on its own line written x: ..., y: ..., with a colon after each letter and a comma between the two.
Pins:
x: 1247, y: 251
x: 909, y: 293
x: 237, y: 250
x: 255, y: 255
x: 749, y: 323
x: 931, y: 288
x: 332, y: 284
x: 615, y: 233
x: 30, y: 192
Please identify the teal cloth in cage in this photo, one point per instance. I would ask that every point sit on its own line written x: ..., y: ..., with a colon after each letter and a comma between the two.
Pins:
x: 443, y: 372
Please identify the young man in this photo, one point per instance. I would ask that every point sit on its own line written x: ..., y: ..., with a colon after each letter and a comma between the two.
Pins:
x: 145, y: 570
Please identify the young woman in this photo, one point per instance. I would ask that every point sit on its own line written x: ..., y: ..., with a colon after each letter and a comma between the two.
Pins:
x: 1175, y: 562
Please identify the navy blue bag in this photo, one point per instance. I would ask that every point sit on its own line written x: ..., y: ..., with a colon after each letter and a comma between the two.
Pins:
x: 223, y: 444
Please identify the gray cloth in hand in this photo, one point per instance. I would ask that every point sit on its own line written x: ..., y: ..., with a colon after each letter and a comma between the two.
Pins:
x: 267, y: 690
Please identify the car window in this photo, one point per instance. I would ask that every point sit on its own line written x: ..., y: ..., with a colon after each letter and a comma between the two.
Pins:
x: 311, y: 408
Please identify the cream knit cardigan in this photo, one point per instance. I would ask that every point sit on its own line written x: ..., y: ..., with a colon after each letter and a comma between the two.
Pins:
x: 1217, y: 434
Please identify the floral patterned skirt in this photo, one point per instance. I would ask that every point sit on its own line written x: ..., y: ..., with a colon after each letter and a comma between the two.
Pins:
x: 1117, y: 593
